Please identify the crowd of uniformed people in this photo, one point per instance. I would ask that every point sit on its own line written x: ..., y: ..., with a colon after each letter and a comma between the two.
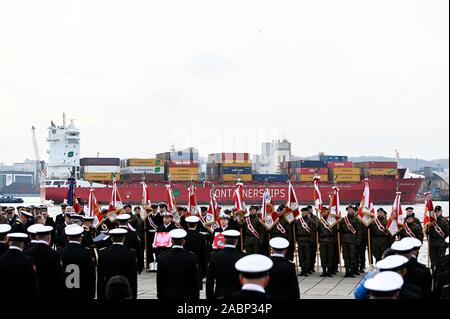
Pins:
x: 68, y: 257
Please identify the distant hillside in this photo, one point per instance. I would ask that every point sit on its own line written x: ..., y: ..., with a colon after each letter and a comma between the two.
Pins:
x: 411, y: 163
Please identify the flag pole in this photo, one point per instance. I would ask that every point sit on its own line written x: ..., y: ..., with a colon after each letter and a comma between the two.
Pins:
x: 369, y: 241
x: 145, y: 220
x: 337, y: 226
x: 296, y: 259
x: 428, y: 236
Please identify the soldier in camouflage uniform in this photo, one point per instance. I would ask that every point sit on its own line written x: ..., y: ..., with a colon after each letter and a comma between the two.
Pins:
x: 379, y: 235
x: 409, y: 212
x: 254, y: 233
x: 350, y: 228
x: 304, y: 233
x: 314, y: 245
x: 282, y: 229
x: 327, y: 246
x: 437, y: 232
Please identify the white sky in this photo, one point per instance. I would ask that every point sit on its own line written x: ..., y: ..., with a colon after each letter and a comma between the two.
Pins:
x: 344, y: 77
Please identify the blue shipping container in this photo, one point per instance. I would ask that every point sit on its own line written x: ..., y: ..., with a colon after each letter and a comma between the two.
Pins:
x: 312, y: 164
x: 269, y: 177
x: 236, y: 170
x: 334, y: 158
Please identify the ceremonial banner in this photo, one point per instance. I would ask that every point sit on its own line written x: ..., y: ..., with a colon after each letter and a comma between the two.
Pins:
x: 192, y: 201
x: 212, y: 215
x: 239, y: 208
x: 93, y: 208
x: 366, y: 211
x: 269, y: 216
x: 145, y: 196
x: 162, y: 239
x: 335, y: 213
x: 219, y: 241
x: 72, y: 199
x: 395, y: 221
x: 318, y: 205
x: 429, y: 216
x: 172, y: 204
x: 116, y: 202
x: 292, y: 212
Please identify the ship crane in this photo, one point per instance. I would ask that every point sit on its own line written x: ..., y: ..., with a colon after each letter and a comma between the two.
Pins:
x: 36, y: 156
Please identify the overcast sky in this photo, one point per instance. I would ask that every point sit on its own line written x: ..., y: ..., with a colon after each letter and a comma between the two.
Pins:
x: 344, y: 77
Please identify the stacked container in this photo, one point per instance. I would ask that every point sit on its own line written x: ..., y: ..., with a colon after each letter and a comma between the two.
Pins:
x: 333, y: 158
x: 377, y: 169
x: 182, y: 170
x: 100, y: 169
x: 345, y: 174
x: 135, y: 169
x: 229, y: 167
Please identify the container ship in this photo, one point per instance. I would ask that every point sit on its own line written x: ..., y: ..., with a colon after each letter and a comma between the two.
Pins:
x: 183, y: 168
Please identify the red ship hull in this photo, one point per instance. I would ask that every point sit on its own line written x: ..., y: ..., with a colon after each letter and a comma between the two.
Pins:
x: 383, y: 192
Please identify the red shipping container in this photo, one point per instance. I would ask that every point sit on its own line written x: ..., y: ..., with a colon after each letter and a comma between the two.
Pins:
x: 312, y: 171
x: 340, y: 164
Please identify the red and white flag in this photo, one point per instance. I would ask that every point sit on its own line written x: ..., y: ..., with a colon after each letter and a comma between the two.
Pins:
x: 429, y: 216
x: 172, y: 204
x: 292, y: 212
x: 318, y: 205
x: 192, y: 201
x: 145, y: 195
x: 335, y: 213
x: 366, y: 211
x: 212, y: 215
x: 116, y: 201
x: 239, y: 204
x: 93, y: 208
x: 395, y: 221
x: 269, y: 216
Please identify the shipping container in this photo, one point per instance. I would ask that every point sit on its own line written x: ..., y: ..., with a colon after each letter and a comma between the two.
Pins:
x: 189, y: 154
x: 142, y: 170
x: 346, y: 171
x: 234, y: 178
x: 184, y: 178
x: 133, y: 178
x: 307, y: 163
x: 333, y: 158
x: 183, y: 170
x: 99, y: 161
x: 347, y: 178
x: 381, y: 171
x: 340, y: 164
x: 375, y: 164
x: 236, y: 170
x: 100, y: 177
x: 247, y: 164
x: 269, y: 177
x: 311, y: 170
x: 229, y: 158
x: 310, y: 178
x: 182, y: 164
x: 99, y: 169
x: 141, y: 162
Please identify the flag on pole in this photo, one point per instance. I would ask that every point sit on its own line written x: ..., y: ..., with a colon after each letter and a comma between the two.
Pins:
x: 172, y: 204
x: 292, y: 206
x: 395, y: 221
x: 192, y: 202
x: 269, y: 216
x: 145, y: 195
x: 429, y: 216
x: 318, y: 205
x: 93, y: 208
x: 116, y: 201
x: 212, y: 215
x: 239, y: 204
x: 366, y: 211
x: 334, y: 207
x: 72, y: 199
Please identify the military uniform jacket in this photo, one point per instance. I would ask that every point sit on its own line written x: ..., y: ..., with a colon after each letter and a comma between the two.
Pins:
x: 49, y: 271
x: 60, y: 237
x: 76, y: 254
x: 196, y: 243
x: 164, y: 229
x: 260, y: 229
x: 3, y: 248
x: 18, y: 275
x: 301, y: 232
x: 222, y: 273
x: 133, y: 242
x: 434, y: 235
x: 275, y: 232
x: 347, y: 235
x: 420, y: 276
x: 59, y: 219
x: 18, y: 227
x: 177, y: 275
x: 325, y: 234
x: 116, y: 260
x: 415, y: 229
x: 376, y: 232
x: 157, y: 220
x: 283, y: 282
x: 249, y: 295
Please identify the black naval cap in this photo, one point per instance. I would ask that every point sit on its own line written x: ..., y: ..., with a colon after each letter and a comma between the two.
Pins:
x: 154, y: 206
x: 304, y: 209
x: 105, y: 210
x: 203, y: 208
x: 64, y: 205
x: 409, y: 208
x: 127, y: 206
x: 438, y: 208
x: 309, y: 207
x: 162, y: 204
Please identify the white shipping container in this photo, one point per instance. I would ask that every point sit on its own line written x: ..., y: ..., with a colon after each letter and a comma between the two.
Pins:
x: 142, y: 170
x: 100, y: 169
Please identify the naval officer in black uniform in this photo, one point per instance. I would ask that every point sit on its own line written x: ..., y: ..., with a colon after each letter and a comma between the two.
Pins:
x: 132, y: 240
x: 75, y: 254
x: 116, y: 260
x: 22, y: 223
x: 222, y: 278
x: 21, y: 278
x: 48, y: 265
x: 177, y: 274
x: 254, y: 276
x: 197, y: 244
x: 283, y: 282
x: 4, y: 229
